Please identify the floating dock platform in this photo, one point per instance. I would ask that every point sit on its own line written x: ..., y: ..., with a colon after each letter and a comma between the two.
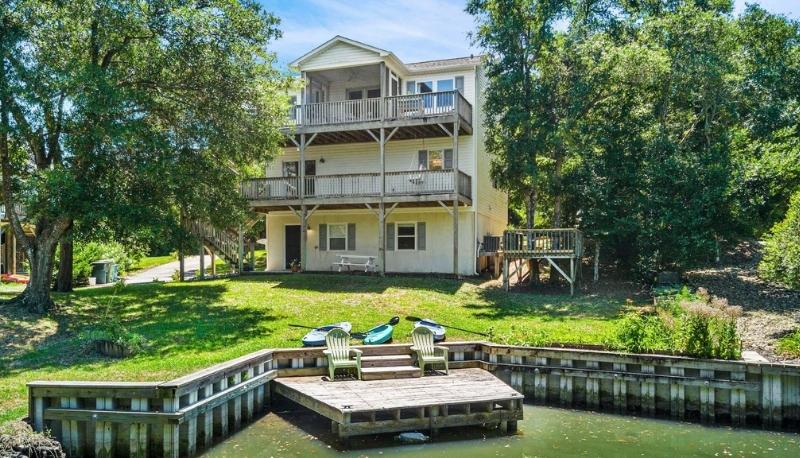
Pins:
x: 357, y: 407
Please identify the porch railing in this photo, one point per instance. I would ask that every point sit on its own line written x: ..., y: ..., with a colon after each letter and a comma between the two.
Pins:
x: 543, y: 242
x: 381, y: 108
x: 403, y: 183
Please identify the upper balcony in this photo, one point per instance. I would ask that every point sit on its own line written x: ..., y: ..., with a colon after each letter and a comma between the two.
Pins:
x: 415, y: 115
x: 340, y: 105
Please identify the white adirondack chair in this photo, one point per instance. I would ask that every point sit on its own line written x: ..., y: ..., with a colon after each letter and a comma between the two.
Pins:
x: 427, y: 352
x: 339, y: 352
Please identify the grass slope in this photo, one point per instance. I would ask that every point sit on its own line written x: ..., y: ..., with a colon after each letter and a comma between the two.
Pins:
x: 192, y: 325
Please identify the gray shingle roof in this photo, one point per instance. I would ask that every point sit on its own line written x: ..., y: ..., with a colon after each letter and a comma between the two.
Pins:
x: 444, y: 63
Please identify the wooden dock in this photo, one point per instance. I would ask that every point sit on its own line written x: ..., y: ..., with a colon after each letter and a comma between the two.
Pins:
x: 356, y: 407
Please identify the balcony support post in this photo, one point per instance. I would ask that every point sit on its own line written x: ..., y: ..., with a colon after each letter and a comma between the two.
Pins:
x: 455, y: 189
x: 303, y: 237
x: 381, y: 210
x: 301, y: 169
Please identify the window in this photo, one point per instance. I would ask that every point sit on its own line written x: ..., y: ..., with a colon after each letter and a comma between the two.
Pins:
x: 373, y: 93
x: 441, y: 159
x: 406, y: 236
x: 444, y: 100
x: 290, y: 169
x: 337, y: 237
x: 424, y: 87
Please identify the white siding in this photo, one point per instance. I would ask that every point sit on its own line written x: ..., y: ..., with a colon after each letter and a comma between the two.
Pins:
x: 436, y: 258
x: 490, y: 203
x: 365, y: 157
x: 340, y: 54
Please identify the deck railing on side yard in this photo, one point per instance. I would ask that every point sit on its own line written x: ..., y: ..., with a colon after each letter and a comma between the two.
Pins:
x: 404, y: 183
x: 543, y: 242
x: 381, y: 108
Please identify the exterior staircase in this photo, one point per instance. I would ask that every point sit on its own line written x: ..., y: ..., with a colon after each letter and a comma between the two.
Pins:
x: 225, y: 243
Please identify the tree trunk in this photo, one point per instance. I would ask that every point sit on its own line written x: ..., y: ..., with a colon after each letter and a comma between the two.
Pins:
x: 530, y: 223
x: 64, y: 280
x: 36, y: 296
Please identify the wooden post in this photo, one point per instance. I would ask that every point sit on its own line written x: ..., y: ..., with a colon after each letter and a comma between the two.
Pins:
x: 676, y: 395
x: 707, y: 397
x: 382, y: 206
x: 455, y: 187
x: 221, y: 414
x: 620, y: 389
x: 738, y: 401
x: 241, y: 249
x: 104, y: 430
x: 202, y: 273
x: 208, y: 419
x: 237, y: 404
x: 171, y: 431
x: 191, y: 427
x: 434, y: 412
x: 301, y: 166
x: 213, y: 264
x: 648, y: 392
x: 772, y: 400
x: 540, y: 382
x: 138, y: 433
x: 181, y: 265
x: 249, y: 400
x: 565, y: 384
x: 505, y: 272
x: 70, y: 434
x: 592, y: 386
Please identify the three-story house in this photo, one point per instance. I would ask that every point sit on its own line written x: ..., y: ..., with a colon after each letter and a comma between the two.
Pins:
x: 383, y: 159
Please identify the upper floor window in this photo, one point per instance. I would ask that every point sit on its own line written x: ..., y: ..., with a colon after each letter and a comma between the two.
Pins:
x: 441, y: 159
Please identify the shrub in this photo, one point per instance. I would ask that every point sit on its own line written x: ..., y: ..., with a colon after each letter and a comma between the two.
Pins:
x: 113, y: 330
x: 789, y: 345
x: 84, y: 254
x: 694, y: 324
x: 781, y: 262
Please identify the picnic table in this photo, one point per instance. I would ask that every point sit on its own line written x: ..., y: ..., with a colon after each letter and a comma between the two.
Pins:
x: 354, y: 260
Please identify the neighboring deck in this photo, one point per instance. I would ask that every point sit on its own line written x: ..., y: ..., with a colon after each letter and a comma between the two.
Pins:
x: 465, y: 397
x: 552, y: 245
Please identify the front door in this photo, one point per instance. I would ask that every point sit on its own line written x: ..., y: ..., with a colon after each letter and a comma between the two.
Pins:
x: 292, y: 239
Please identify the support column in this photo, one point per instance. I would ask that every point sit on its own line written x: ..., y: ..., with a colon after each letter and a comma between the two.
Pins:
x: 303, y: 237
x: 241, y: 250
x: 13, y: 270
x: 455, y: 188
x: 213, y: 264
x: 202, y: 273
x: 381, y: 206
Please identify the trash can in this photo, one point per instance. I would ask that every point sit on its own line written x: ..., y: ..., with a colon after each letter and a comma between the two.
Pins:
x: 101, y: 270
x: 114, y: 273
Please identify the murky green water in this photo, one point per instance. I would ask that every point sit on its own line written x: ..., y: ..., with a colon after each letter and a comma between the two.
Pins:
x: 545, y: 432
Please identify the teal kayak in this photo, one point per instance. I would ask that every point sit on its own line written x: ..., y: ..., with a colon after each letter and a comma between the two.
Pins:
x: 379, y: 334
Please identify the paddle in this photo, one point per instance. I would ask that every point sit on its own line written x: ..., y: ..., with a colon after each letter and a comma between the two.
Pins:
x: 361, y: 335
x: 416, y: 318
x: 301, y: 326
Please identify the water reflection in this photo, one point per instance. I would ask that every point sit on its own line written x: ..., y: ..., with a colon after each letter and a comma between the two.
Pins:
x: 545, y: 432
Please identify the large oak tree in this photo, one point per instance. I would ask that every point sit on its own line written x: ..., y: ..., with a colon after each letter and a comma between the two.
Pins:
x: 126, y: 111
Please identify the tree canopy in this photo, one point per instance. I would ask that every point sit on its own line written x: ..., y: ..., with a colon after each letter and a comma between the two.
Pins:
x: 662, y: 127
x: 123, y: 114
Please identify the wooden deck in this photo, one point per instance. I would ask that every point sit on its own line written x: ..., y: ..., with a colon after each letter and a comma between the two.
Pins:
x: 355, y: 407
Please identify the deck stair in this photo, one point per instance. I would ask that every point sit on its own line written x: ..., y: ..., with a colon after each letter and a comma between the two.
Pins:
x: 389, y: 366
x: 223, y: 242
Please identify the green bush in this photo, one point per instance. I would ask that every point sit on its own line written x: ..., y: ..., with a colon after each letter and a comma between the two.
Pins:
x: 111, y: 328
x: 781, y: 263
x: 694, y: 324
x: 789, y: 345
x: 84, y: 254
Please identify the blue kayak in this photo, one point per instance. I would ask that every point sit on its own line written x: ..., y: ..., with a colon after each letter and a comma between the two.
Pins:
x: 316, y: 337
x: 379, y: 334
x: 437, y: 329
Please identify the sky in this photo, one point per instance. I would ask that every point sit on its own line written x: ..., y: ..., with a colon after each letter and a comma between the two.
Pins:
x: 415, y: 30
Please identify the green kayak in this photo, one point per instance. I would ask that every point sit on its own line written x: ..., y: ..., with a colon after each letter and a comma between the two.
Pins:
x: 379, y: 334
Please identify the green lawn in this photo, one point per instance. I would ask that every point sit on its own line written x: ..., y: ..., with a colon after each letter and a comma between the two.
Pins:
x: 152, y: 261
x: 195, y: 324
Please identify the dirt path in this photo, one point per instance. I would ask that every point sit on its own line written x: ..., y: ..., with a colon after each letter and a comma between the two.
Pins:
x: 770, y: 311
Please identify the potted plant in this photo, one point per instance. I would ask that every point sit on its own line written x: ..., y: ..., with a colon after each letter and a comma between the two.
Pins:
x: 294, y: 265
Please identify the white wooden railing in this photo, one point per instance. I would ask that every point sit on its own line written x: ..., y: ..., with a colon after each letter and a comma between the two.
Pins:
x: 381, y: 108
x: 404, y: 183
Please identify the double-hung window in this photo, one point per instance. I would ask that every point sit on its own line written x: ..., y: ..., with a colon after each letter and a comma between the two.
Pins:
x: 406, y: 236
x: 435, y: 159
x: 337, y: 237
